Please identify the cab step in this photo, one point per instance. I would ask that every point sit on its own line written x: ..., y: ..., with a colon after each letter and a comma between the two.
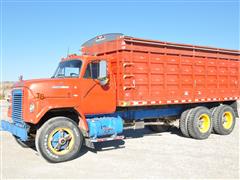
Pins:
x: 107, y: 139
x: 89, y: 142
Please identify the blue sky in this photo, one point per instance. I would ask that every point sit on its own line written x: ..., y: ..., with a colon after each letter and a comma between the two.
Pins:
x: 36, y: 34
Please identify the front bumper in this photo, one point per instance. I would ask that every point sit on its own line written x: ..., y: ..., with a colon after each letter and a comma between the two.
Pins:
x: 16, y: 130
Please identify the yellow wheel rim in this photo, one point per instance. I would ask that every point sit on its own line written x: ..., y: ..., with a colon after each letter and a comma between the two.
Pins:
x: 61, y: 141
x: 204, y: 123
x: 227, y: 120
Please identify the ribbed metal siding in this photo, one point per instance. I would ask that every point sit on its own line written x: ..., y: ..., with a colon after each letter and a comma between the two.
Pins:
x: 17, y: 104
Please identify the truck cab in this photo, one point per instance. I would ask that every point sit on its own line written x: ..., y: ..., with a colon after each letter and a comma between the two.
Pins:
x: 80, y: 86
x: 79, y: 82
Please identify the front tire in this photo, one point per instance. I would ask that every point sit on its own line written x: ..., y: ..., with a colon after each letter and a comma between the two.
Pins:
x: 59, y: 140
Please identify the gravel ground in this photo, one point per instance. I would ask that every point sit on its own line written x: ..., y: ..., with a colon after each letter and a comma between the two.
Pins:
x: 141, y: 155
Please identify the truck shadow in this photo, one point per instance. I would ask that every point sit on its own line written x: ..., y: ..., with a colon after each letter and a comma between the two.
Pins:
x: 119, y: 144
x: 131, y: 134
x: 139, y: 133
x: 147, y: 132
x: 111, y: 145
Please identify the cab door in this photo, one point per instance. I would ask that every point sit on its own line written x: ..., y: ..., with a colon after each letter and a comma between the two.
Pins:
x: 98, y: 89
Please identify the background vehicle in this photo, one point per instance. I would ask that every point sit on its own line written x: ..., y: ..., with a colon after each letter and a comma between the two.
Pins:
x: 123, y: 82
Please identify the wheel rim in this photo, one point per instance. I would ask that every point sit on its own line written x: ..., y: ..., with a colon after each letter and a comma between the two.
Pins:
x: 227, y: 120
x: 61, y: 141
x: 204, y: 123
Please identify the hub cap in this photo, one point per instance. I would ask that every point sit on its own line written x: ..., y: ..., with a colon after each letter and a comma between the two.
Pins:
x: 204, y: 123
x: 61, y: 141
x: 227, y: 120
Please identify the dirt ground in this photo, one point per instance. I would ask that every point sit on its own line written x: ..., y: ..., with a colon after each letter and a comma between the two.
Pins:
x: 141, y: 155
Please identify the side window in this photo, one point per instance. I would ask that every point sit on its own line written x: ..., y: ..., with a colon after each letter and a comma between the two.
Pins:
x: 96, y: 70
x: 92, y: 70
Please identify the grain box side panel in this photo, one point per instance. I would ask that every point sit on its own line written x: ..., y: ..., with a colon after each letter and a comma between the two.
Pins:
x: 170, y: 79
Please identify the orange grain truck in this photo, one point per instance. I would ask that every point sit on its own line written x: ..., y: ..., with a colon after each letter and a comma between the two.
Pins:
x: 121, y: 82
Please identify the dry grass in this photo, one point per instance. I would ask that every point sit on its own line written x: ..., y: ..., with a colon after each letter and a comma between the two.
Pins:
x: 5, y: 89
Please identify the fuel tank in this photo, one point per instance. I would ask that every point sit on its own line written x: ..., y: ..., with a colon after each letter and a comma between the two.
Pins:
x: 105, y: 126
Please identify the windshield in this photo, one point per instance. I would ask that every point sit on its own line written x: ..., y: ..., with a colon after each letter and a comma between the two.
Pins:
x: 68, y: 69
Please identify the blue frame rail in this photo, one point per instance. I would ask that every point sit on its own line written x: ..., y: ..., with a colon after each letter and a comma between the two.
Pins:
x: 141, y: 113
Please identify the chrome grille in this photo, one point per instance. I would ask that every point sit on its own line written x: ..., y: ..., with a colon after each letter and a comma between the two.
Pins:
x: 17, y: 104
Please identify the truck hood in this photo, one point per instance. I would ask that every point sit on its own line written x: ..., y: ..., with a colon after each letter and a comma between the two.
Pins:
x: 50, y: 88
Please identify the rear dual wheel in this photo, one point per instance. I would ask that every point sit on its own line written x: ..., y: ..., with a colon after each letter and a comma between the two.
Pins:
x: 223, y: 119
x: 199, y: 122
x: 196, y: 123
x: 183, y: 122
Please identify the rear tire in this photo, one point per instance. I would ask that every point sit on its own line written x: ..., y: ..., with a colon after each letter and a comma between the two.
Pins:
x: 59, y: 140
x: 183, y: 122
x: 212, y: 110
x: 224, y: 119
x: 199, y: 123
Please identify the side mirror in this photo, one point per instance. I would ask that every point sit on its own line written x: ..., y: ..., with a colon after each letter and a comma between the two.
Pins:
x: 103, y: 74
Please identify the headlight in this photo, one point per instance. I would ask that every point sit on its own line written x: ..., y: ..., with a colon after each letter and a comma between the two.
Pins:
x: 31, y: 107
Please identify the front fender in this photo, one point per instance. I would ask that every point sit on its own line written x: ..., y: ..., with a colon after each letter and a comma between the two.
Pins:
x: 82, y: 119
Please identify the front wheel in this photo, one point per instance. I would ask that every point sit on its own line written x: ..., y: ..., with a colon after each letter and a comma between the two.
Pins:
x: 59, y: 139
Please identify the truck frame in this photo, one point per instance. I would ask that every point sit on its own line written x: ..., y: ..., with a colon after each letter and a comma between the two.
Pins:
x: 121, y: 82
